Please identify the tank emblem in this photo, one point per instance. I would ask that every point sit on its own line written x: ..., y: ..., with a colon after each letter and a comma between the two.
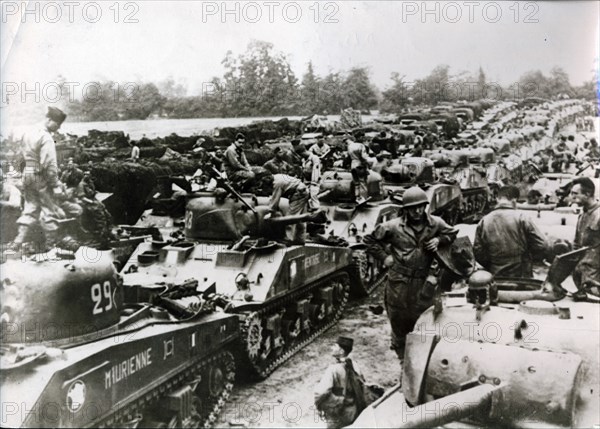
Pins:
x: 76, y: 396
x: 128, y: 367
x: 169, y: 348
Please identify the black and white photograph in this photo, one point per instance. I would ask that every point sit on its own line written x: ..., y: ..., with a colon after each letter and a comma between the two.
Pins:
x: 300, y: 214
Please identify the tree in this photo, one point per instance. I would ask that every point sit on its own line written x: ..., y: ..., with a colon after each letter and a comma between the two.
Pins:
x: 358, y: 92
x: 310, y: 92
x: 259, y: 82
x: 396, y: 97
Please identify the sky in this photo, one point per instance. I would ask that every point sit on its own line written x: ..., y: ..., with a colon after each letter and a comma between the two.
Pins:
x: 151, y: 41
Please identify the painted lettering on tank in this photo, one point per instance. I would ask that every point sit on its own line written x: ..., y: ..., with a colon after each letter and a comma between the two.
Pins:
x: 311, y: 261
x: 120, y: 371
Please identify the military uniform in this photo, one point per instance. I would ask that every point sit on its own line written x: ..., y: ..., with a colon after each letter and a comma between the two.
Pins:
x: 335, y: 396
x: 587, y: 271
x: 39, y: 178
x: 236, y: 165
x: 295, y: 191
x: 507, y: 242
x: 407, y: 293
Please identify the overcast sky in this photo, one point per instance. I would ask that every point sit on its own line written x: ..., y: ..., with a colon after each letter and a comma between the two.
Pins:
x: 188, y: 40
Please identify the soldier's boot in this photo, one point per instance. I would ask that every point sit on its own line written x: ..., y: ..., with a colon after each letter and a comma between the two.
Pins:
x: 17, y: 243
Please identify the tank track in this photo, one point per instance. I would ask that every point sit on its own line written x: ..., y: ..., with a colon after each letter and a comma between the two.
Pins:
x: 132, y: 414
x: 272, y: 308
x: 360, y: 257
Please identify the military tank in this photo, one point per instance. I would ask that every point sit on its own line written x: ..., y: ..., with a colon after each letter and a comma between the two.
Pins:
x: 351, y: 221
x: 77, y: 351
x: 445, y: 198
x: 455, y: 166
x: 519, y: 356
x: 285, y: 295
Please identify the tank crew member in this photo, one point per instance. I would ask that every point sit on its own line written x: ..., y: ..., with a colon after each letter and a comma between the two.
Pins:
x: 296, y: 192
x: 506, y: 241
x: 336, y: 395
x: 320, y: 148
x: 413, y: 239
x: 383, y: 160
x: 40, y: 182
x: 278, y: 164
x: 135, y: 152
x: 235, y: 163
x: 360, y: 162
x: 72, y: 175
x: 587, y: 272
x: 311, y: 168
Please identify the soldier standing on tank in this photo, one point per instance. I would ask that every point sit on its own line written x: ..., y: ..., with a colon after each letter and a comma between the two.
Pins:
x: 360, y: 162
x: 413, y: 239
x: 335, y: 395
x: 40, y: 183
x: 506, y: 241
x: 587, y: 272
x: 235, y: 163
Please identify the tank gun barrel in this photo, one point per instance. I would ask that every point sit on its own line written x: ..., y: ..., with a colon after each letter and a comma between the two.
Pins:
x: 456, y: 407
x: 225, y: 184
x: 317, y: 217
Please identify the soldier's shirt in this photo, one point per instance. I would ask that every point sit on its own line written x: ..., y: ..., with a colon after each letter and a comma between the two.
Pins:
x: 39, y: 151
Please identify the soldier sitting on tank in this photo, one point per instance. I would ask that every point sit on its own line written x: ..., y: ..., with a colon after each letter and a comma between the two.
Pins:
x: 506, y: 241
x: 296, y: 192
x: 278, y: 164
x: 72, y: 175
x: 236, y: 165
x: 320, y: 148
x: 340, y: 396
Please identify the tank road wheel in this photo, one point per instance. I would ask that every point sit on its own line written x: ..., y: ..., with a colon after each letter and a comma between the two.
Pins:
x: 253, y: 339
x: 214, y: 387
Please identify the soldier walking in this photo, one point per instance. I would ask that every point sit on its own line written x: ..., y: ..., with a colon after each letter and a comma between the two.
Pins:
x: 413, y: 239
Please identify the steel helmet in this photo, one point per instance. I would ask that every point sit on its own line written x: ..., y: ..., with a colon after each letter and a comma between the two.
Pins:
x: 414, y: 196
x: 480, y: 279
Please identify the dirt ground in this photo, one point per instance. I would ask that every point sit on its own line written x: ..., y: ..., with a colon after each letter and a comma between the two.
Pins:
x: 285, y: 398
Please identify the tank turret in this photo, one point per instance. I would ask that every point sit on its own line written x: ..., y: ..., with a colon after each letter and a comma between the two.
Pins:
x: 77, y: 351
x: 445, y: 198
x: 531, y: 360
x: 285, y: 295
x: 352, y: 221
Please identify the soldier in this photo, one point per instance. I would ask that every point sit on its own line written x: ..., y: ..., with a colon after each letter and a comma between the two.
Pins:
x: 296, y: 192
x: 72, y: 175
x: 506, y: 241
x: 320, y: 148
x: 40, y: 181
x: 277, y: 164
x: 413, y: 239
x: 236, y: 165
x: 587, y: 272
x: 360, y: 163
x: 311, y: 168
x: 135, y: 152
x: 337, y: 395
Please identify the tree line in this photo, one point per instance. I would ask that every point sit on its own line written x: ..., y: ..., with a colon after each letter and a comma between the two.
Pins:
x: 260, y: 82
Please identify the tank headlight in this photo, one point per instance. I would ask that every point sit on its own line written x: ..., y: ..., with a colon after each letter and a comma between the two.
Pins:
x: 76, y: 396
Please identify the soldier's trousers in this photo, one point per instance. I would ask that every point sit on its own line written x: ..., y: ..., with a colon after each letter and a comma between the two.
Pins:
x: 405, y: 300
x: 298, y: 202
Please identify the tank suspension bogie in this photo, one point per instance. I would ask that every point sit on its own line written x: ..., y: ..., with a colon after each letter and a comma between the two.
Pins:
x: 274, y: 333
x: 190, y: 399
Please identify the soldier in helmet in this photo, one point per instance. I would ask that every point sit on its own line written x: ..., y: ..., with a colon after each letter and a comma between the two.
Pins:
x: 413, y: 239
